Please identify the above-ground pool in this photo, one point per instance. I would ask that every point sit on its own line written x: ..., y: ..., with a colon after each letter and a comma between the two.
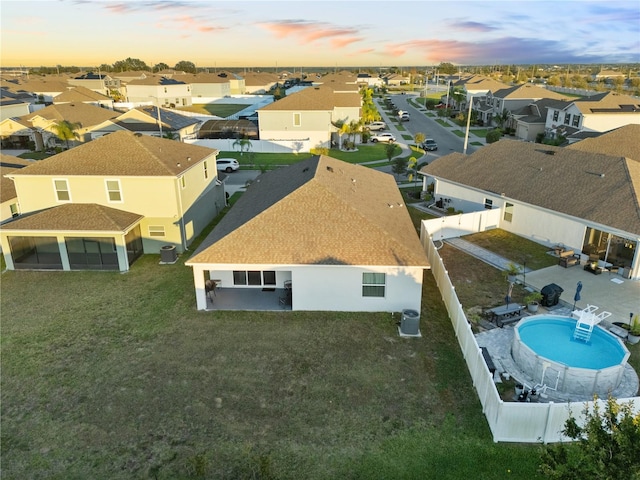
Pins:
x: 544, y: 349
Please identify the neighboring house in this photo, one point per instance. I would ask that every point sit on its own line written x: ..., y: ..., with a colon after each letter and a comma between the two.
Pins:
x: 236, y: 82
x: 11, y: 107
x: 599, y: 113
x: 108, y: 201
x: 513, y: 99
x: 84, y: 95
x: 18, y: 134
x: 162, y: 91
x: 396, y: 79
x: 608, y: 74
x: 477, y: 87
x: 585, y: 199
x: 43, y: 89
x: 145, y: 120
x: 369, y: 81
x: 309, y: 114
x: 529, y: 121
x: 9, y: 206
x: 338, y: 233
x: 100, y: 83
x: 40, y: 126
x: 208, y: 86
x: 259, y: 82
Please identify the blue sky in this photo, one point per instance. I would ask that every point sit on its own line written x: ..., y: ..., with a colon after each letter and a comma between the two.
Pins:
x: 318, y: 33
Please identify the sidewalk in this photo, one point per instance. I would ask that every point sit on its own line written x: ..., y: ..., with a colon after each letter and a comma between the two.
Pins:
x: 482, y: 254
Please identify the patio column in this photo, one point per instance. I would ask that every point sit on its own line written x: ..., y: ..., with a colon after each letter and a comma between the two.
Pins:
x: 121, y: 251
x: 64, y: 255
x: 201, y: 294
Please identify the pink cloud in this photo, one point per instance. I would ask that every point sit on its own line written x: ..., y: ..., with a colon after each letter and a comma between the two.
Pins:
x: 309, y: 32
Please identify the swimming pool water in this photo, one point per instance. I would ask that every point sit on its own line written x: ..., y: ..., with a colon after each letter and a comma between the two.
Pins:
x: 552, y: 338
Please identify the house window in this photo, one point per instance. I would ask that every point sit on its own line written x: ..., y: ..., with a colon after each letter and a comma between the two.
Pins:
x: 62, y: 190
x: 165, y: 89
x: 488, y: 203
x: 567, y: 118
x: 508, y: 212
x: 297, y: 121
x: 254, y: 277
x: 556, y: 114
x: 14, y: 209
x: 239, y: 277
x: 576, y: 121
x: 373, y: 284
x: 156, y: 230
x: 206, y: 171
x: 183, y: 181
x: 113, y: 190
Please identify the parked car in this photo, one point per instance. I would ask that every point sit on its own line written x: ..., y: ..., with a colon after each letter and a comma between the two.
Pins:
x: 383, y: 137
x: 376, y: 126
x: 429, y: 145
x: 227, y: 164
x: 404, y: 117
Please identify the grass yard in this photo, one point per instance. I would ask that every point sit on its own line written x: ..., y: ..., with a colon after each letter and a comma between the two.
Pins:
x: 109, y: 375
x: 219, y: 109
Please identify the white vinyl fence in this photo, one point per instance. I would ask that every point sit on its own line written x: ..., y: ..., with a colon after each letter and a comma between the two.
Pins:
x: 508, y: 421
x: 257, y: 146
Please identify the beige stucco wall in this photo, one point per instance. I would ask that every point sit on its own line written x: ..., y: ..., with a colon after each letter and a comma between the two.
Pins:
x: 179, y: 94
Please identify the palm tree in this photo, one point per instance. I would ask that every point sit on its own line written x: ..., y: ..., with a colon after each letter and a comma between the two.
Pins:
x: 502, y: 118
x: 66, y: 131
x: 243, y: 143
x: 419, y: 138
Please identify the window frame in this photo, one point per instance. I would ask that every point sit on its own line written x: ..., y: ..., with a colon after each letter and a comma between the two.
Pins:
x: 297, y: 116
x: 205, y: 168
x: 57, y: 191
x: 371, y: 284
x: 488, y: 204
x: 109, y: 191
x: 156, y: 231
x: 508, y: 212
x: 183, y: 182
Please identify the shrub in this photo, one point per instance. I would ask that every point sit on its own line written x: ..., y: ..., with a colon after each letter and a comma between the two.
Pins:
x: 494, y: 135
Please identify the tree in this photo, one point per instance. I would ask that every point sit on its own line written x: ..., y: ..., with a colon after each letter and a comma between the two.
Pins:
x: 607, y: 445
x: 129, y: 64
x: 160, y: 66
x: 502, y: 118
x: 66, y: 131
x: 419, y: 138
x: 399, y: 166
x: 447, y: 68
x: 494, y: 135
x: 185, y: 66
x: 389, y: 150
x: 243, y: 143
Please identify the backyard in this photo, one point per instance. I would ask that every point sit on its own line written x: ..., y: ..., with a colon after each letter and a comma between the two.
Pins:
x: 118, y: 376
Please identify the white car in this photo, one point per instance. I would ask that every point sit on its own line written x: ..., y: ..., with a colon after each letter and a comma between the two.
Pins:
x: 227, y: 164
x: 376, y: 126
x: 383, y: 137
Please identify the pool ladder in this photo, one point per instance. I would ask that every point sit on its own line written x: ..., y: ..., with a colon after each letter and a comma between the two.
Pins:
x: 586, y: 322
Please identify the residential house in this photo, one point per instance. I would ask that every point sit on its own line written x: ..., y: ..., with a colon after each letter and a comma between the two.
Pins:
x: 101, y: 83
x: 259, y: 82
x: 604, y: 74
x: 599, y: 113
x: 514, y: 98
x: 11, y: 107
x: 150, y: 120
x: 208, y: 86
x: 476, y: 87
x: 43, y: 89
x: 337, y: 234
x: 39, y: 127
x: 162, y: 91
x: 529, y: 122
x: 369, y: 80
x: 584, y: 199
x: 308, y: 115
x: 104, y: 203
x: 9, y: 206
x: 84, y: 95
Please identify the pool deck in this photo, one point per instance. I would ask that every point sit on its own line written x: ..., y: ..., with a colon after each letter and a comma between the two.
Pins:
x: 498, y: 343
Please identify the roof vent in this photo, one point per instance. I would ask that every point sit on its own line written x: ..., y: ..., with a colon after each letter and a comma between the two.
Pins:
x: 602, y: 175
x: 179, y: 164
x: 188, y: 159
x: 305, y: 169
x: 549, y: 152
x: 330, y: 168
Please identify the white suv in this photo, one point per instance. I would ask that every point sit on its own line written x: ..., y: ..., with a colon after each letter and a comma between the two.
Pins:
x: 227, y: 164
x: 383, y: 137
x: 376, y: 126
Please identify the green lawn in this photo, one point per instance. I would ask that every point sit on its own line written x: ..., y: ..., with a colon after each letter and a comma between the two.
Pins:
x: 109, y: 375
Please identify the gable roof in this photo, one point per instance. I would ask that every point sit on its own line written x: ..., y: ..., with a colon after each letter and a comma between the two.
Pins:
x: 601, y: 188
x: 320, y: 211
x: 479, y: 82
x: 621, y: 142
x: 80, y: 94
x: 148, y: 115
x: 9, y: 163
x: 80, y: 217
x: 527, y: 90
x: 315, y: 98
x: 156, y: 80
x: 608, y: 102
x: 83, y: 113
x: 123, y: 154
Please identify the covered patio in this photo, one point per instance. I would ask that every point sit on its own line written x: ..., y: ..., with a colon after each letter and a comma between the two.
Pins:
x: 255, y: 299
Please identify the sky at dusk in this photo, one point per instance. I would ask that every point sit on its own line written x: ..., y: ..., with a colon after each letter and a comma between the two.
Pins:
x: 267, y: 33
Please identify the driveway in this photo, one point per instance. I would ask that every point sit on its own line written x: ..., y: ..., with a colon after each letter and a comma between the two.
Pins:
x: 237, y: 181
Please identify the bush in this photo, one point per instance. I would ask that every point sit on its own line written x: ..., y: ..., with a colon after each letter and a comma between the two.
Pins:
x: 494, y: 135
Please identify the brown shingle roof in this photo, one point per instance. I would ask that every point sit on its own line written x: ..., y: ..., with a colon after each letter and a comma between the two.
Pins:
x: 8, y: 164
x: 607, y: 103
x: 527, y: 90
x: 80, y: 94
x: 591, y: 186
x: 76, y: 217
x: 621, y: 142
x: 315, y: 98
x: 123, y: 154
x: 320, y: 211
x: 84, y: 114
